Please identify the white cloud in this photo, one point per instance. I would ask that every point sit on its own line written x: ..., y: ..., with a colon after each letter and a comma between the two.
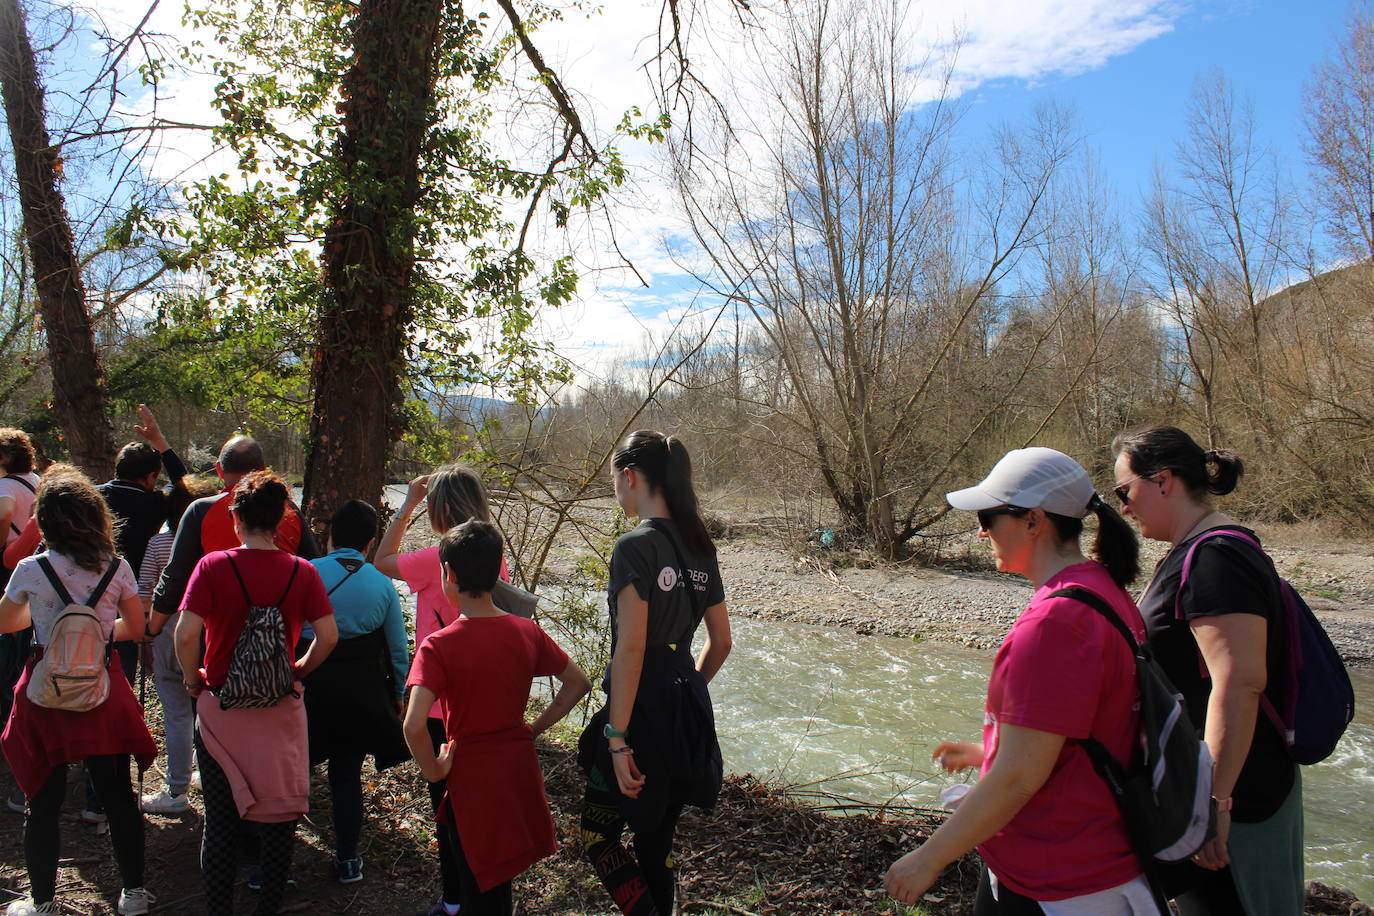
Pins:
x: 601, y: 58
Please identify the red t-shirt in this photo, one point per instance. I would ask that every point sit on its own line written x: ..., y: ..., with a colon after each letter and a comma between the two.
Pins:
x: 213, y: 594
x: 1064, y: 669
x: 424, y: 575
x: 480, y: 668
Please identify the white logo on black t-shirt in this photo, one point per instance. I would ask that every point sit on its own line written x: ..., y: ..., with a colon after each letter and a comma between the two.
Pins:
x: 667, y: 578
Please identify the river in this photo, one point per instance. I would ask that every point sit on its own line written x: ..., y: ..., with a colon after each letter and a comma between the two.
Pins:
x: 860, y: 715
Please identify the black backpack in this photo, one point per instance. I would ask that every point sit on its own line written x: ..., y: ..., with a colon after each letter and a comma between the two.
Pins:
x: 1165, y: 793
x: 1308, y: 696
x: 261, y: 670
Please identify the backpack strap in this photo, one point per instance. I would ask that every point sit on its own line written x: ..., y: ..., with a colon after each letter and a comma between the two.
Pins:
x: 242, y: 587
x: 1266, y: 704
x: 1098, y: 603
x: 1103, y: 762
x: 295, y: 565
x: 65, y: 597
x: 349, y: 570
x: 62, y: 594
x: 102, y: 585
x: 15, y: 477
x: 1192, y: 549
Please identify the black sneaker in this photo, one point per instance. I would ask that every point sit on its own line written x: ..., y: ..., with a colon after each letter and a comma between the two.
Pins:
x: 349, y: 870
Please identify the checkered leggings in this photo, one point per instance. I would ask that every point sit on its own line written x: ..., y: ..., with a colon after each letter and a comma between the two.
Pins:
x: 219, y: 845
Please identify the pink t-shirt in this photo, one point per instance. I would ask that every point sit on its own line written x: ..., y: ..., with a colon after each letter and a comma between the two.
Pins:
x: 421, y: 571
x: 1064, y: 669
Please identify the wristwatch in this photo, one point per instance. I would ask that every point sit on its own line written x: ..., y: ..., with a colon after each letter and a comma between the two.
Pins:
x: 610, y: 731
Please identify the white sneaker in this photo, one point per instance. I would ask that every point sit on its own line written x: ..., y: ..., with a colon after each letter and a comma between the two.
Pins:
x: 134, y: 901
x: 165, y: 803
x: 26, y: 907
x: 195, y: 780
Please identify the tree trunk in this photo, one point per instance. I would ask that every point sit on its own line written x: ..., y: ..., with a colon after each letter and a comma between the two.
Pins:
x: 78, y: 381
x: 369, y: 257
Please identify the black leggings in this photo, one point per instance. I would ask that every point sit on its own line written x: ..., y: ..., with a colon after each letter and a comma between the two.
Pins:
x: 496, y: 901
x: 346, y: 794
x: 110, y: 773
x: 450, y: 875
x: 1006, y: 903
x: 219, y: 845
x: 642, y: 884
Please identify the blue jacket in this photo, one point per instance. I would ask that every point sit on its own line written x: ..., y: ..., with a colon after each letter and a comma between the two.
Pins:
x: 366, y: 601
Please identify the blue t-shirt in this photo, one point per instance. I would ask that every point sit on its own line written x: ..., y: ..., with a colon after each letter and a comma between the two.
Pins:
x: 363, y: 602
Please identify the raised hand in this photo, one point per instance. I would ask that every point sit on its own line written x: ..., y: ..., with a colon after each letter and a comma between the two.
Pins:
x: 149, y: 429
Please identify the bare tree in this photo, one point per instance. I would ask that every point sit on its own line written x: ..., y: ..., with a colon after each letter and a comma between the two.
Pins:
x: 79, y: 397
x: 868, y: 260
x: 1340, y: 136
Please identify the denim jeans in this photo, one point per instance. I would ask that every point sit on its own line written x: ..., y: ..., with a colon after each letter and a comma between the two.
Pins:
x: 178, y: 711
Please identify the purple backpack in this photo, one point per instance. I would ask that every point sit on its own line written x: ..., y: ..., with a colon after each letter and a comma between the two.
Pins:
x: 1309, y: 698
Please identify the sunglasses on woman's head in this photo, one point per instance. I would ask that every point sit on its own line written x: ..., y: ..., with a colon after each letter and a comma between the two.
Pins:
x: 986, y: 516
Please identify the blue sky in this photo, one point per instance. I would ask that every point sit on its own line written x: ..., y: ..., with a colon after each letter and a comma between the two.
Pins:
x: 1134, y: 107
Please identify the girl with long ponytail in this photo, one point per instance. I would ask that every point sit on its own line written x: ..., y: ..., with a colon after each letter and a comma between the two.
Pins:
x: 1062, y: 674
x: 652, y: 749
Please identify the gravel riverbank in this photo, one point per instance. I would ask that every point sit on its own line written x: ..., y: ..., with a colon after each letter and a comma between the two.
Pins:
x: 975, y: 609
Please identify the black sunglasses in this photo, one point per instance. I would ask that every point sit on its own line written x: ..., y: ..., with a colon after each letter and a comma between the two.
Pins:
x: 985, y: 516
x: 1123, y: 492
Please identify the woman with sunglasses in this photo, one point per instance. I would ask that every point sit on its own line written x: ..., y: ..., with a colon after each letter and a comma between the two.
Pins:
x: 1046, y: 825
x: 1215, y: 638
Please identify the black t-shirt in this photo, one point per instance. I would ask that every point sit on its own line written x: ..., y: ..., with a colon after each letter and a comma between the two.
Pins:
x: 1228, y: 576
x: 645, y: 558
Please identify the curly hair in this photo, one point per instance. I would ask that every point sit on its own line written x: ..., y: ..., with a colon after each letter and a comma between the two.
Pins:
x: 16, y: 451
x: 260, y: 501
x: 73, y: 518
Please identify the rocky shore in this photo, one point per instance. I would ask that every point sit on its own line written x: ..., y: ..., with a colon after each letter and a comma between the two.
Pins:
x: 975, y: 608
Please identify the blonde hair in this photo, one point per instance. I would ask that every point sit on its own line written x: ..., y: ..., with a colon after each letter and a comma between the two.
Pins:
x: 456, y: 494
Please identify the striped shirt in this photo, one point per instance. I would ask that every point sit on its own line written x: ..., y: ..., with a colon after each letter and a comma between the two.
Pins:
x: 154, y: 560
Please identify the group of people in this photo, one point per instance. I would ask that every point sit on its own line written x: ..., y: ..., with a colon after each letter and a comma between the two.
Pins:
x: 1046, y: 825
x: 269, y: 659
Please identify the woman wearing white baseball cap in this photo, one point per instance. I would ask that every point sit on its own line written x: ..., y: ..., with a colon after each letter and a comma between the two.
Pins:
x: 1048, y: 830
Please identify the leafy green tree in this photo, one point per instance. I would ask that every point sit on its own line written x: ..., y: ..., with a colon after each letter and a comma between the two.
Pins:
x: 374, y: 225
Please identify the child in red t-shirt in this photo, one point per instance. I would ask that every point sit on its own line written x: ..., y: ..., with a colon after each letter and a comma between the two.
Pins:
x: 480, y: 668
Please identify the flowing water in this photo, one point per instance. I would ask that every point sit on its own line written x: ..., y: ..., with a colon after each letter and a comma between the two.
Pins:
x: 858, y: 716
x: 800, y: 705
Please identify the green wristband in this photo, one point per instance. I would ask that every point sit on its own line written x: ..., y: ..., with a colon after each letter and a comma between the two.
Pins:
x: 610, y: 731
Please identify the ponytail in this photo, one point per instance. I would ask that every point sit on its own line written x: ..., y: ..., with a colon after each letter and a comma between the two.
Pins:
x: 1225, y: 468
x: 1115, y: 545
x: 668, y: 468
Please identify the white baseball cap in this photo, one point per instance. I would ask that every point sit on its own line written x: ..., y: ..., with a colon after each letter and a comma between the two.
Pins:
x: 1032, y: 478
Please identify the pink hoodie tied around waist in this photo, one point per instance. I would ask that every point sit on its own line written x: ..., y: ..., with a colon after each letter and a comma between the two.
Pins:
x: 263, y: 752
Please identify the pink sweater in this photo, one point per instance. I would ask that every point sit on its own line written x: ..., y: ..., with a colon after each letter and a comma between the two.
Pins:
x: 265, y: 754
